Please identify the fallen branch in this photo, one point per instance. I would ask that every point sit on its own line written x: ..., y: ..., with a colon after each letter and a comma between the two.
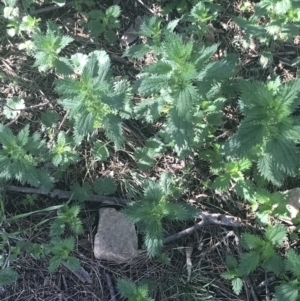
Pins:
x: 206, y: 219
x: 62, y: 194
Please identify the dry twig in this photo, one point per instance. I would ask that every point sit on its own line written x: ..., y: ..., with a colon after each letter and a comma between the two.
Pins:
x: 206, y: 219
x: 62, y: 194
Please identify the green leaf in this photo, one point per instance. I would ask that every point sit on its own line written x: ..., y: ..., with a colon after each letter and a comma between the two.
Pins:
x: 8, y: 276
x: 237, y: 285
x: 284, y: 154
x: 137, y: 51
x: 81, y: 193
x: 231, y: 262
x: 276, y: 234
x: 153, y: 84
x: 78, y: 61
x: 185, y: 98
x: 268, y: 169
x: 249, y: 262
x: 211, y: 72
x: 287, y: 291
x: 274, y: 264
x: 83, y: 126
x: 126, y: 288
x: 245, y: 190
x: 153, y: 241
x: 293, y: 262
x: 73, y: 263
x: 54, y: 263
x: 143, y: 160
x: 248, y: 136
x: 63, y: 66
x: 222, y: 182
x: 105, y: 186
x: 100, y: 151
x: 251, y: 241
x: 49, y: 118
x: 180, y: 212
x: 57, y: 228
x: 229, y: 275
x: 113, y: 11
x: 113, y: 129
x: 180, y: 131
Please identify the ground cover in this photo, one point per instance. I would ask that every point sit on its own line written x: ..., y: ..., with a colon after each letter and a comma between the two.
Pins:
x: 183, y: 114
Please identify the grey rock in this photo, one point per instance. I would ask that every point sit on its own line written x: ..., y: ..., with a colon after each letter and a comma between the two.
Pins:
x: 294, y: 201
x: 116, y: 239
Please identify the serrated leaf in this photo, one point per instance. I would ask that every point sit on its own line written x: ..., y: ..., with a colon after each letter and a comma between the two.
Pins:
x: 54, y: 263
x: 105, y: 186
x: 251, y: 241
x: 100, y: 151
x: 78, y: 61
x: 113, y: 11
x: 63, y: 66
x: 113, y: 129
x: 185, y: 98
x: 231, y: 262
x: 284, y: 154
x: 287, y: 291
x: 49, y: 118
x: 292, y: 262
x: 274, y: 264
x: 8, y: 276
x: 126, y: 288
x: 81, y: 193
x: 228, y: 275
x: 212, y: 70
x: 269, y: 170
x: 249, y: 262
x: 143, y: 160
x: 248, y: 135
x: 276, y: 234
x: 73, y: 263
x: 154, y: 147
x: 245, y: 190
x: 152, y: 84
x: 137, y: 51
x: 237, y: 285
x: 222, y: 182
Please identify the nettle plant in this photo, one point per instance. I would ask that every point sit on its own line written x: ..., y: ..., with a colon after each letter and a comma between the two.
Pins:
x: 157, y: 206
x: 184, y: 86
x: 280, y: 18
x: 259, y: 252
x: 133, y: 292
x: 271, y: 21
x: 22, y: 157
x: 269, y: 132
x: 104, y: 23
x: 46, y: 48
x: 95, y: 100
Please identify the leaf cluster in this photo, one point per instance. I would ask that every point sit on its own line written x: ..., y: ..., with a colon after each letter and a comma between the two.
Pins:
x: 182, y: 85
x: 46, y: 49
x: 281, y: 18
x: 149, y: 213
x: 268, y: 134
x: 104, y: 23
x: 20, y: 157
x: 132, y: 291
x: 95, y: 100
x: 260, y: 252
